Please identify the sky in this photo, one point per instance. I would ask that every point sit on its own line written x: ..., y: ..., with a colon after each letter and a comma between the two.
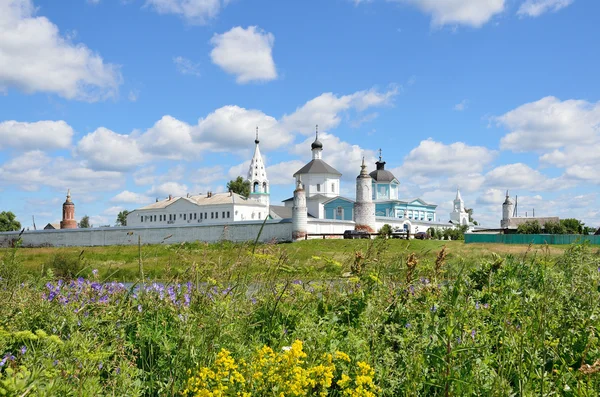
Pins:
x: 126, y: 101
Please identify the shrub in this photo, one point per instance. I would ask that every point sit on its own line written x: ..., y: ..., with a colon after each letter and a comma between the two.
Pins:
x: 554, y: 228
x: 66, y: 266
x: 529, y: 227
x: 385, y: 231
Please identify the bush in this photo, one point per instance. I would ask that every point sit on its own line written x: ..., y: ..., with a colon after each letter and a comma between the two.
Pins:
x: 66, y: 266
x: 385, y: 231
x: 554, y: 228
x: 530, y: 227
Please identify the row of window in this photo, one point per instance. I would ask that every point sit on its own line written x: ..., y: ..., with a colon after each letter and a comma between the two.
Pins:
x: 185, y: 217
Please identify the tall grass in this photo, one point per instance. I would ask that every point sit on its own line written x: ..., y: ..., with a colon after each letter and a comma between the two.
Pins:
x: 428, y: 323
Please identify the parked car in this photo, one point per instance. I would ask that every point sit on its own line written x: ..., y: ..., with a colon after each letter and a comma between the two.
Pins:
x: 422, y: 236
x: 351, y: 234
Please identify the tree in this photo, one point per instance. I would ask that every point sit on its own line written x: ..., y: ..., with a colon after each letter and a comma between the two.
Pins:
x: 239, y: 186
x: 572, y: 225
x: 9, y: 222
x: 551, y: 227
x: 84, y: 223
x: 529, y: 227
x: 122, y: 218
x: 470, y: 212
x: 385, y: 231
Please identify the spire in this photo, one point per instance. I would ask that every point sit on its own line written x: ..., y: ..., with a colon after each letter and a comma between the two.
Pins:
x: 363, y: 169
x: 256, y: 140
x: 380, y: 155
x: 68, y: 195
x: 458, y: 196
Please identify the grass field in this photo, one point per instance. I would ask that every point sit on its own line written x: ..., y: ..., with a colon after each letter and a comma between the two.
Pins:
x: 316, y: 318
x: 313, y: 258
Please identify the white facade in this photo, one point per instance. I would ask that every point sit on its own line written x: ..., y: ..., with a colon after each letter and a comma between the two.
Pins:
x: 458, y: 215
x: 205, y: 209
x: 364, y: 208
x: 257, y: 176
x: 324, y: 184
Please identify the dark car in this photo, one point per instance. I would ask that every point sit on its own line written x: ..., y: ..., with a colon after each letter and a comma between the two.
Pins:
x: 422, y: 236
x: 356, y: 234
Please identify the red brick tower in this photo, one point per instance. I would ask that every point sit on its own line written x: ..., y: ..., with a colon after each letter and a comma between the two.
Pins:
x: 68, y: 218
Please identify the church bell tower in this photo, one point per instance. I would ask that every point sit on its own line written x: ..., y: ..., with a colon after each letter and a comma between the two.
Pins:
x: 257, y: 176
x: 68, y: 214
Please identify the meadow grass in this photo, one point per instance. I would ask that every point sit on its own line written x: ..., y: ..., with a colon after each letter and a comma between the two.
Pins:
x: 328, y: 318
x: 311, y: 258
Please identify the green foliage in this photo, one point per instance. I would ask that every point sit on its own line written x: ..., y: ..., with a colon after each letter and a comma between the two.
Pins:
x: 9, y: 222
x: 84, y: 223
x: 572, y: 225
x: 385, y: 231
x: 122, y: 218
x: 494, y: 325
x: 66, y: 266
x: 239, y: 186
x: 470, y: 212
x: 554, y: 228
x: 456, y: 233
x: 530, y: 227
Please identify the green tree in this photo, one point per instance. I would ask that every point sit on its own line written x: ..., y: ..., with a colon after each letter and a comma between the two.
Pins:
x: 84, y: 223
x: 9, y: 222
x: 385, y: 231
x: 529, y: 227
x: 239, y: 186
x: 470, y: 212
x: 572, y: 225
x: 552, y: 227
x: 122, y: 218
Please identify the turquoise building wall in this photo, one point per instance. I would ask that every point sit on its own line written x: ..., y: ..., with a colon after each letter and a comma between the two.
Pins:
x: 331, y: 209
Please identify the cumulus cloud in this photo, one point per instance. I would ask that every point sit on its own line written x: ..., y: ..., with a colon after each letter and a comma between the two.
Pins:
x: 206, y: 175
x: 170, y: 138
x: 33, y: 170
x: 550, y: 124
x: 522, y: 177
x: 173, y: 188
x: 41, y: 135
x: 535, y: 8
x: 436, y: 159
x: 327, y: 109
x: 463, y: 12
x: 37, y: 58
x: 106, y: 150
x: 245, y: 53
x: 281, y: 173
x: 127, y: 197
x: 196, y: 12
x: 462, y: 105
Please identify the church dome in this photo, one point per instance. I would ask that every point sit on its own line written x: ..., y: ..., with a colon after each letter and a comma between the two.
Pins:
x: 316, y: 144
x: 381, y: 174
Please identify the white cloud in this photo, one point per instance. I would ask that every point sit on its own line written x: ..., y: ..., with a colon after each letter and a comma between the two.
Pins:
x: 462, y: 105
x: 186, y: 66
x: 106, y: 150
x: 281, y: 173
x: 245, y: 53
x: 326, y: 110
x: 586, y: 173
x: 193, y: 11
x: 128, y: 197
x: 36, y: 58
x: 113, y: 210
x: 491, y: 197
x: 535, y: 8
x: 170, y: 138
x: 41, y: 135
x: 522, y: 177
x: 436, y: 159
x: 207, y: 175
x: 464, y: 12
x: 32, y: 170
x: 240, y: 170
x: 550, y: 124
x: 232, y: 127
x: 169, y: 188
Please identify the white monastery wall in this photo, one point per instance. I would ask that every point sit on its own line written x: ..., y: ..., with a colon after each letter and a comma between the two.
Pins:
x: 319, y: 226
x: 279, y: 230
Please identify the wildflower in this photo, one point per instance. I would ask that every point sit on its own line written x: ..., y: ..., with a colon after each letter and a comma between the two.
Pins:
x: 95, y: 272
x: 473, y: 332
x: 23, y: 350
x: 55, y: 363
x: 140, y: 308
x: 433, y: 308
x: 118, y: 370
x: 407, y: 326
x: 100, y: 366
x: 477, y: 305
x: 486, y: 305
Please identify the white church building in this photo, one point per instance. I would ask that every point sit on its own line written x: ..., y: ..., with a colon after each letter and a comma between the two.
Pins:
x: 319, y: 186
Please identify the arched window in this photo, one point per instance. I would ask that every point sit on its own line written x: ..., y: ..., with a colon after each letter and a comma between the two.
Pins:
x: 256, y: 185
x: 265, y: 187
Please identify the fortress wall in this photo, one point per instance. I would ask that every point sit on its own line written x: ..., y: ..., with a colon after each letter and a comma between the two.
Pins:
x: 279, y: 230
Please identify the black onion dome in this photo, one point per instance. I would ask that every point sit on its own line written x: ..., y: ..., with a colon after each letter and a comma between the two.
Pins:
x: 381, y: 174
x: 316, y: 144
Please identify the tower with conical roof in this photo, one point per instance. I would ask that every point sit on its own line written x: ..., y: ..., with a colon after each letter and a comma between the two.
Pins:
x: 68, y: 214
x: 364, y: 208
x: 459, y: 215
x: 257, y: 176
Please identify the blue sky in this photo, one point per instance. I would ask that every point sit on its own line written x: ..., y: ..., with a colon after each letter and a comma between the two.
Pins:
x: 124, y: 101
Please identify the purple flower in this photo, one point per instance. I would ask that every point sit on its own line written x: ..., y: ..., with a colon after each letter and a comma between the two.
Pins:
x: 407, y: 326
x: 433, y: 308
x: 486, y: 305
x: 103, y: 299
x: 23, y: 350
x: 140, y: 308
x: 95, y: 272
x: 100, y: 366
x: 253, y: 300
x: 297, y: 282
x: 473, y: 332
x: 477, y: 305
x: 118, y: 370
x: 55, y: 363
x: 186, y: 299
x: 412, y: 289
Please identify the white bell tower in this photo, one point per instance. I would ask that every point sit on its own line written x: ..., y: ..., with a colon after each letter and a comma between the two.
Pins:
x: 257, y: 176
x: 458, y: 214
